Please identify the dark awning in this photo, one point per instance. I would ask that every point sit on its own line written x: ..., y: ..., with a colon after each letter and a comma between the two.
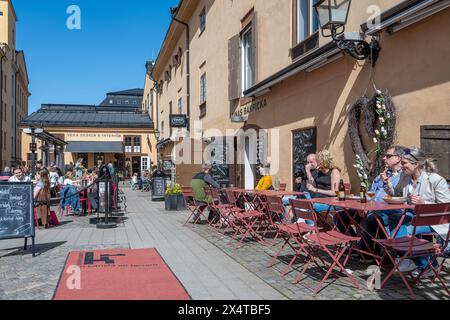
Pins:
x: 94, y: 147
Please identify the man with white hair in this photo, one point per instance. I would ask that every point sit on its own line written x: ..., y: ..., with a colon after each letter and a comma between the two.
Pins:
x: 199, y: 182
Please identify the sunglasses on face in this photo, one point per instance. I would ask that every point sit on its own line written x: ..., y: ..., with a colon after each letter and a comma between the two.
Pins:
x: 388, y: 156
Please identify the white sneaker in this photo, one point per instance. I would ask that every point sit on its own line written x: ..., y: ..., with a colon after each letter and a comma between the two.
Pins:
x: 427, y: 274
x: 406, y: 265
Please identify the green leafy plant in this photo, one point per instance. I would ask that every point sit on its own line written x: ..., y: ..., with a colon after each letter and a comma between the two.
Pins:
x: 174, y: 190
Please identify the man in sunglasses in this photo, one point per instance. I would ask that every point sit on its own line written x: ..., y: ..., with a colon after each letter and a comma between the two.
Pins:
x: 392, y: 172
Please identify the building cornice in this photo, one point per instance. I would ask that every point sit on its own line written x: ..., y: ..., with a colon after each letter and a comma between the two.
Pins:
x: 184, y: 12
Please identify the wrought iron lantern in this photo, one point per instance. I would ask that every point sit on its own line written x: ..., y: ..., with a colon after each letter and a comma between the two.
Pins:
x: 332, y: 16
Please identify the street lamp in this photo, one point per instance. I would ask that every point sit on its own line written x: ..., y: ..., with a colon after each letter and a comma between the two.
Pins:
x: 157, y: 135
x: 33, y: 131
x: 333, y: 15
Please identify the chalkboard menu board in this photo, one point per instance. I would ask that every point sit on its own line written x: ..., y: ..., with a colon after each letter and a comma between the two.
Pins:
x: 16, y: 210
x: 158, y: 188
x: 304, y: 143
x: 221, y: 169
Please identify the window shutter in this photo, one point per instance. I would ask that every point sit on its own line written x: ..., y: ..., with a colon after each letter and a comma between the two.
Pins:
x: 255, y: 47
x: 435, y: 143
x: 234, y: 68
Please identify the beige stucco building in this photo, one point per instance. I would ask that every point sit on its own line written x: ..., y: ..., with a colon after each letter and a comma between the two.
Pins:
x: 264, y: 65
x: 13, y: 86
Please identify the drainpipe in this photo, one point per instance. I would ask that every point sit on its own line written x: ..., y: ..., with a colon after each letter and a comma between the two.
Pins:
x: 1, y: 103
x: 15, y: 116
x: 188, y: 74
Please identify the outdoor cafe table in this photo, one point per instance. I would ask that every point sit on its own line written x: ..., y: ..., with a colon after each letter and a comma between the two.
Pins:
x: 363, y: 210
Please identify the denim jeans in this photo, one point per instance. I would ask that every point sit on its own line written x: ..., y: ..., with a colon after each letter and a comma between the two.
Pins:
x: 317, y: 207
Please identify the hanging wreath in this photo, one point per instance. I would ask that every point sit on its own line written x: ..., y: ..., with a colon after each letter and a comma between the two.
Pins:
x: 380, y: 117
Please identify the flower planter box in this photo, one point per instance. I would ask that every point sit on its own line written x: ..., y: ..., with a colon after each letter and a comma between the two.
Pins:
x: 174, y: 202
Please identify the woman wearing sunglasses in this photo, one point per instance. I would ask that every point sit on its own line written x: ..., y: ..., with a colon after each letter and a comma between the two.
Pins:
x: 421, y: 184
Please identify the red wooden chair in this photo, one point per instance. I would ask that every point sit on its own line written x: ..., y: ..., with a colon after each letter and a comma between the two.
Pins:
x: 291, y: 233
x: 333, y: 243
x: 410, y: 247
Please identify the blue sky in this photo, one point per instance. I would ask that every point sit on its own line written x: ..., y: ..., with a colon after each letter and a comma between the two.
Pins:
x: 107, y: 54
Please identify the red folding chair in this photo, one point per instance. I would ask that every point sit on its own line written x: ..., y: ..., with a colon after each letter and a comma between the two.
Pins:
x: 411, y: 247
x: 244, y: 223
x: 291, y: 233
x: 197, y: 210
x: 334, y: 244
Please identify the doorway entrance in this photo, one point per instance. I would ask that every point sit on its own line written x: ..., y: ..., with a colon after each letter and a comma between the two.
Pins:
x: 135, y: 165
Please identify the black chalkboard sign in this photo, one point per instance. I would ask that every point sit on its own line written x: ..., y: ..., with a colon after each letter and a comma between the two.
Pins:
x: 220, y: 171
x: 158, y: 188
x: 16, y: 211
x: 304, y: 143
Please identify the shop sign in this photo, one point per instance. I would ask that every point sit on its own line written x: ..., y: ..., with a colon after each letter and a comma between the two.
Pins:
x: 178, y: 121
x: 93, y: 135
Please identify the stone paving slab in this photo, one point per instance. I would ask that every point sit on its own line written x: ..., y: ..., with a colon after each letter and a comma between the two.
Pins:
x: 256, y: 257
x: 206, y: 271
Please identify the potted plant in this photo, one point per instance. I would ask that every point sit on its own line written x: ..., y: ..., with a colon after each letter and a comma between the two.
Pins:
x: 174, y: 200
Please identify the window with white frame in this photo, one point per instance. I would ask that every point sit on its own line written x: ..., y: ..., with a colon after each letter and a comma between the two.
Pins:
x: 247, y: 59
x: 137, y: 144
x: 307, y: 21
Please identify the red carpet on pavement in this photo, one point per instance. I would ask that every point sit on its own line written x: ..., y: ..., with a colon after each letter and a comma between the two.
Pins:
x: 118, y: 275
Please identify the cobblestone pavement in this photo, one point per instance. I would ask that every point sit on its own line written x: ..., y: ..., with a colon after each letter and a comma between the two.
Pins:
x: 206, y: 272
x: 208, y: 268
x: 256, y: 257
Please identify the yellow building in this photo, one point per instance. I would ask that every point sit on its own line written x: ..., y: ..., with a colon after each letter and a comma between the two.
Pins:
x: 115, y: 131
x: 265, y: 66
x: 13, y: 86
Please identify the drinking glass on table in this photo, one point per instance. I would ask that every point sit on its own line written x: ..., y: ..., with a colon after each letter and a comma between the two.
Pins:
x: 276, y: 184
x: 370, y: 195
x: 336, y: 190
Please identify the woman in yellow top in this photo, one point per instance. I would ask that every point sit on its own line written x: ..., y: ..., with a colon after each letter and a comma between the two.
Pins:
x: 265, y: 183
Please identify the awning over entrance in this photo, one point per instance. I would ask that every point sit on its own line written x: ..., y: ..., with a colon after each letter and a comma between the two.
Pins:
x: 94, y: 147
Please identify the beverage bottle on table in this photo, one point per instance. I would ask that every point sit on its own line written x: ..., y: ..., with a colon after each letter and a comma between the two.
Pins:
x: 362, y: 194
x: 341, y: 191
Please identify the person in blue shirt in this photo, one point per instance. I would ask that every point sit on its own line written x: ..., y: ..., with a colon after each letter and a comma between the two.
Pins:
x: 393, y: 169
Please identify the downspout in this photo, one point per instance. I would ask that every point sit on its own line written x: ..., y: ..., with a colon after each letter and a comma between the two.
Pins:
x: 15, y: 116
x: 1, y: 106
x: 188, y: 73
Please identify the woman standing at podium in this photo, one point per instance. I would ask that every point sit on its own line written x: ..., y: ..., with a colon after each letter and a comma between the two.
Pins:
x: 42, y: 195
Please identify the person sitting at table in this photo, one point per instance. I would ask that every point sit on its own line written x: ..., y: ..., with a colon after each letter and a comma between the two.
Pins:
x: 265, y: 183
x: 421, y: 183
x: 301, y: 179
x: 19, y: 176
x: 69, y: 193
x: 41, y: 193
x: 326, y: 183
x: 392, y: 172
x: 198, y: 183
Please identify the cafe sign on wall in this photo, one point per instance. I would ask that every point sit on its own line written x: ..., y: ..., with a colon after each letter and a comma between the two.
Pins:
x: 243, y: 111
